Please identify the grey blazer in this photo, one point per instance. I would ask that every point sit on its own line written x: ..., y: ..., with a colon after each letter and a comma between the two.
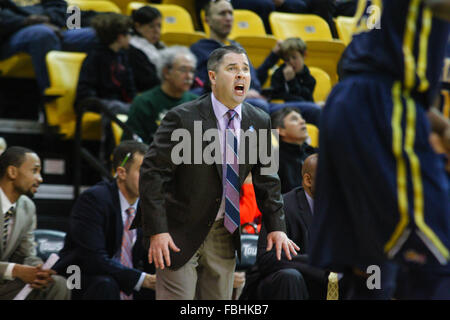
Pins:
x: 184, y: 199
x: 21, y: 247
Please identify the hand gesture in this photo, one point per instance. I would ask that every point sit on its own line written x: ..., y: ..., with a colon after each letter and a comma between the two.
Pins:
x: 281, y: 241
x: 277, y: 47
x: 159, y: 249
x: 288, y: 73
x: 37, y: 277
x: 43, y: 278
x: 149, y: 281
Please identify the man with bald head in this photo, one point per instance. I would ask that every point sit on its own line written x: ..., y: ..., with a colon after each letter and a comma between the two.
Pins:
x: 290, y: 279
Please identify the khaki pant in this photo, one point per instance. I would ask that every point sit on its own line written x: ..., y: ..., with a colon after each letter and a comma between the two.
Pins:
x: 208, y: 275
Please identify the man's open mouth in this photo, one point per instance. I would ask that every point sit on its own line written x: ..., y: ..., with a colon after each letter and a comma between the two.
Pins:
x: 239, y: 89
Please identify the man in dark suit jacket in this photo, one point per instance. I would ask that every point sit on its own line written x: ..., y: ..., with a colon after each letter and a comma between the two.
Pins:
x: 290, y: 279
x: 96, y: 236
x: 183, y: 203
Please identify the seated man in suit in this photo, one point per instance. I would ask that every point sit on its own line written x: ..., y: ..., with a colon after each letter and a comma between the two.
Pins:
x: 99, y: 240
x: 20, y: 176
x: 293, y: 147
x: 290, y: 279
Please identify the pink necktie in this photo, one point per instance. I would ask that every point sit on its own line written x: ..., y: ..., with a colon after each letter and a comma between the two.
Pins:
x: 231, y: 178
x: 127, y: 246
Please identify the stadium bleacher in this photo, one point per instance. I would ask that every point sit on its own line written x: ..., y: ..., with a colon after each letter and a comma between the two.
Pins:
x: 179, y: 26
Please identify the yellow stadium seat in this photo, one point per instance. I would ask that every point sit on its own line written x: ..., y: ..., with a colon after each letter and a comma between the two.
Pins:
x: 177, y: 26
x: 122, y: 4
x: 17, y: 66
x: 305, y: 26
x: 258, y: 48
x: 118, y: 131
x: 182, y: 38
x: 245, y: 23
x: 313, y: 133
x: 64, y: 69
x: 325, y: 55
x: 134, y: 5
x: 345, y: 26
x: 175, y: 18
x: 95, y: 5
x: 323, y: 84
x: 189, y: 5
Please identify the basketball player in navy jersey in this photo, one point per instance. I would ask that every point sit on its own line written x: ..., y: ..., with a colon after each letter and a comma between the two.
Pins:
x: 382, y: 193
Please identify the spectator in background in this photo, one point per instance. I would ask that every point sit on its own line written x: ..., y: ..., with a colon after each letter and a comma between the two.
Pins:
x: 145, y: 46
x: 219, y: 17
x: 20, y: 177
x: 293, y: 146
x: 176, y: 71
x: 111, y: 257
x: 292, y: 81
x: 327, y: 9
x: 36, y: 30
x: 294, y: 279
x: 106, y: 83
x: 106, y: 75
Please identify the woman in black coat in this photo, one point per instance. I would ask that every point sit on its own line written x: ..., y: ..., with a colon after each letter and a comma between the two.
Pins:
x: 145, y: 45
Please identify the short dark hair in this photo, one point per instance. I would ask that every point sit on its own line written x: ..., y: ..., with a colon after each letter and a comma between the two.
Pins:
x: 216, y: 56
x: 208, y: 5
x: 130, y: 148
x: 110, y: 25
x: 278, y: 116
x: 13, y: 156
x: 145, y: 14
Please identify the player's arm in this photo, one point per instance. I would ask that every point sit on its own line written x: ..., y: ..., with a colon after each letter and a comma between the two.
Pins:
x: 441, y: 126
x: 440, y: 8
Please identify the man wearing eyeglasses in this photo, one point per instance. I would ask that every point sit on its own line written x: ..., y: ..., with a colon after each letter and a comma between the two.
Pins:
x: 176, y: 72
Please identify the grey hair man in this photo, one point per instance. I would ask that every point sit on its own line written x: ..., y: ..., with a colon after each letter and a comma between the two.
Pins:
x: 176, y: 71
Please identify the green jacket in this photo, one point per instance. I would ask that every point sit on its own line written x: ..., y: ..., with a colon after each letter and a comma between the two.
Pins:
x: 148, y: 109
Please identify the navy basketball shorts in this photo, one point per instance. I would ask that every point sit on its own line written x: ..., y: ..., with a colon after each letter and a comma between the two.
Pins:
x: 381, y: 191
